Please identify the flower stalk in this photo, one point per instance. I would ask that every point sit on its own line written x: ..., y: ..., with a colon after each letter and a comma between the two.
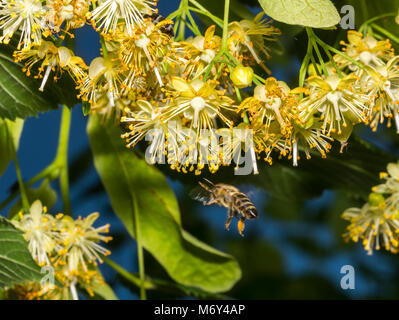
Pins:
x: 22, y: 190
x: 62, y: 158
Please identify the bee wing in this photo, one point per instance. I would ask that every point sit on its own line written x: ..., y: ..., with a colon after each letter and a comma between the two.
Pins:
x: 250, y: 194
x: 200, y: 194
x: 249, y: 191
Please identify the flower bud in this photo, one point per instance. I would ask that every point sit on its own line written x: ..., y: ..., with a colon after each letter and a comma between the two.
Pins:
x: 376, y: 199
x: 242, y: 76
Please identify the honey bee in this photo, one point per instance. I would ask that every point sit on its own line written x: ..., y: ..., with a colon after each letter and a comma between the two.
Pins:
x: 237, y: 203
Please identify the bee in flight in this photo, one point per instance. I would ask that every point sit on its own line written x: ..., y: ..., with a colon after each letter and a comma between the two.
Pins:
x: 237, y: 203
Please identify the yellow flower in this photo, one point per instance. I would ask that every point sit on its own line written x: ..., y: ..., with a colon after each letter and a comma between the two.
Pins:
x: 308, y: 136
x: 72, y: 13
x: 236, y: 140
x: 390, y: 187
x: 103, y: 81
x: 264, y: 141
x: 198, y: 53
x: 366, y: 50
x: 141, y: 119
x: 109, y: 13
x: 25, y: 16
x: 38, y: 228
x: 337, y: 100
x: 373, y: 226
x: 198, y: 102
x: 145, y: 51
x: 36, y: 291
x: 391, y: 178
x: 175, y: 124
x: 70, y: 247
x: 382, y: 85
x: 58, y: 12
x: 270, y: 102
x: 247, y: 38
x: 78, y: 241
x: 52, y: 58
x: 87, y: 280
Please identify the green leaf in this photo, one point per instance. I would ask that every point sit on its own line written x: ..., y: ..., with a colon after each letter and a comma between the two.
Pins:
x: 308, y: 13
x: 162, y: 285
x: 9, y: 130
x: 45, y: 193
x: 16, y: 263
x: 128, y: 178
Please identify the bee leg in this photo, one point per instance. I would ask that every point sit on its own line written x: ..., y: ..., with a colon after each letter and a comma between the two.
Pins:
x: 241, y: 226
x: 228, y: 222
x: 211, y: 201
x: 230, y: 216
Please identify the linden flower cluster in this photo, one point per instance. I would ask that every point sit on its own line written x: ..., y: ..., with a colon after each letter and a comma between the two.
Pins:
x: 377, y: 81
x: 185, y: 95
x: 70, y: 247
x: 39, y: 28
x: 359, y: 86
x: 36, y: 19
x: 177, y: 92
x: 377, y: 222
x: 276, y: 123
